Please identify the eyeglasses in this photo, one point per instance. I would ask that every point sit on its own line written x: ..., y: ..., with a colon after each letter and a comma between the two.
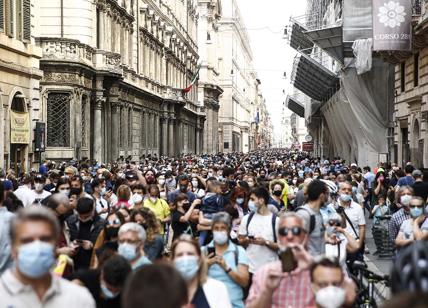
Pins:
x: 296, y: 231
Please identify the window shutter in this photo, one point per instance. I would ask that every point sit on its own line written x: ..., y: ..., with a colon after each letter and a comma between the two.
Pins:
x: 10, y: 17
x: 1, y: 15
x: 27, y: 20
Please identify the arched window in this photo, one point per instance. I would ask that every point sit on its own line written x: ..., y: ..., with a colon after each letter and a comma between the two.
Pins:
x: 58, y: 120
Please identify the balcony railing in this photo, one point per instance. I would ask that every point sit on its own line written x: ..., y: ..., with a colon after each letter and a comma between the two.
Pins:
x: 417, y: 7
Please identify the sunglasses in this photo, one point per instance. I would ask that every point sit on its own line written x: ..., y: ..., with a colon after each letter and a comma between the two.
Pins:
x: 296, y: 231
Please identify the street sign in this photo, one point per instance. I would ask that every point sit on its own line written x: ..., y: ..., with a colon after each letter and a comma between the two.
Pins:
x: 308, y: 138
x: 307, y: 146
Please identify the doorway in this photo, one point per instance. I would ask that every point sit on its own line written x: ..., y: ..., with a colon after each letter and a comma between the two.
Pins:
x: 18, y: 151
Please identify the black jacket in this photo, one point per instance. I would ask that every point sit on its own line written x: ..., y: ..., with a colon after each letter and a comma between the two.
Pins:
x: 97, y: 225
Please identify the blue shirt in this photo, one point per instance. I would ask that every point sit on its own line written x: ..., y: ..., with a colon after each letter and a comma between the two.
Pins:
x: 216, y: 272
x: 380, y: 212
x: 326, y: 212
x: 142, y: 261
x: 173, y: 195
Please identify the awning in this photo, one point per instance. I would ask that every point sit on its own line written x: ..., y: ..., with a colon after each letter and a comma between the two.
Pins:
x: 298, y: 38
x: 295, y: 106
x: 330, y: 40
x: 313, y: 79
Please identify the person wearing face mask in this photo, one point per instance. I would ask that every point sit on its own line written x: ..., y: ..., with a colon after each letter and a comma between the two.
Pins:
x: 331, y: 288
x: 277, y: 187
x: 404, y: 195
x: 406, y: 234
x: 85, y: 227
x: 158, y: 206
x: 257, y: 232
x: 99, y: 190
x: 227, y: 262
x: 381, y: 188
x: 203, y: 291
x: 185, y: 216
x: 131, y: 245
x: 271, y: 285
x: 63, y: 186
x: 34, y: 234
x: 197, y: 187
x: 183, y: 188
x: 38, y: 192
x: 355, y: 220
x: 163, y: 188
x: 106, y: 284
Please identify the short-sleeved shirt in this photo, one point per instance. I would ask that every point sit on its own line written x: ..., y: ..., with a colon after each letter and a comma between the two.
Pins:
x: 179, y: 227
x: 407, y: 180
x: 173, y: 195
x: 260, y: 226
x: 231, y: 255
x: 356, y: 215
x: 316, y: 243
x: 160, y: 208
x: 61, y: 293
x: 294, y: 290
x: 407, y: 229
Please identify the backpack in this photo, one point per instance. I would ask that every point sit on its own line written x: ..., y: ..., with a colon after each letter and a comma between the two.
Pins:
x: 311, y: 219
x: 274, y: 216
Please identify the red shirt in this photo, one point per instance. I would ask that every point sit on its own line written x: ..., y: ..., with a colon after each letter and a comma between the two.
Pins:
x: 294, y: 290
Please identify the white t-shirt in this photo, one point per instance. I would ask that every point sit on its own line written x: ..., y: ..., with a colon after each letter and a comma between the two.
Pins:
x: 100, y: 205
x: 24, y: 194
x: 260, y: 226
x: 356, y: 215
x: 38, y: 197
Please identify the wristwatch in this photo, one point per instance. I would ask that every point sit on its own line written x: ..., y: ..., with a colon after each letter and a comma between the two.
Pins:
x: 267, y: 243
x: 228, y: 270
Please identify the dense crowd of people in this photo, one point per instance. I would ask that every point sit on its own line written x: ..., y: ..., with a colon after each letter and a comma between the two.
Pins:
x: 273, y: 228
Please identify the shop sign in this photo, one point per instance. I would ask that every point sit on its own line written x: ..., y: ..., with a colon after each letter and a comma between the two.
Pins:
x: 19, y: 127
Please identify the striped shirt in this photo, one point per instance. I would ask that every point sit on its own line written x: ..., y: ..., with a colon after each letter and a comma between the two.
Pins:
x: 395, y: 223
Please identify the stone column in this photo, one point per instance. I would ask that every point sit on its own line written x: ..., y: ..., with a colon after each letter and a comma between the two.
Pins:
x: 101, y: 39
x: 115, y: 130
x: 98, y: 128
x: 171, y: 141
x: 164, y: 138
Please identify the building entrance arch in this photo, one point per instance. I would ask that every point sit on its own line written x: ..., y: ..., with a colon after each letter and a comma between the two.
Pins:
x: 19, y: 121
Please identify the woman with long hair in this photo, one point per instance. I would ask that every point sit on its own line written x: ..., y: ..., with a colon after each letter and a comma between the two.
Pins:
x: 153, y: 246
x: 204, y: 292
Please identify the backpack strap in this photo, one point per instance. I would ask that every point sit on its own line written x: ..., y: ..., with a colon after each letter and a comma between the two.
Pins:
x: 311, y: 218
x: 250, y: 216
x: 274, y: 227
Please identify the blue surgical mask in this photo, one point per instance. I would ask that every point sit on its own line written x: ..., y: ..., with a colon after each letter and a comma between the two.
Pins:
x: 354, y: 190
x: 107, y: 293
x: 252, y: 206
x: 35, y: 259
x: 220, y: 237
x: 416, y: 212
x: 103, y: 191
x: 345, y: 198
x: 128, y: 251
x: 188, y: 266
x: 240, y: 201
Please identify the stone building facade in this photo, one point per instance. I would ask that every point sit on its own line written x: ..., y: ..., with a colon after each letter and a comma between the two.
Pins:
x: 238, y: 80
x: 114, y: 71
x: 19, y: 85
x: 210, y: 12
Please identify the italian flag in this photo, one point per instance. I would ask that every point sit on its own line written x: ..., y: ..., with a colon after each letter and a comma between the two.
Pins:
x: 194, y: 79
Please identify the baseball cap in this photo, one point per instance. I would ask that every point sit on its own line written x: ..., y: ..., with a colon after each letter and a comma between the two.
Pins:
x: 417, y: 173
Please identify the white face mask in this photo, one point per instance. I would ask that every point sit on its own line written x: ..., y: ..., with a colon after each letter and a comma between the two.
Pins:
x: 161, y: 182
x: 38, y: 187
x: 405, y: 200
x: 195, y: 184
x: 330, y: 297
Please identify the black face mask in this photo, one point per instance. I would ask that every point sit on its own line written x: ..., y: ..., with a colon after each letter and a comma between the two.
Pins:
x: 183, y: 188
x: 111, y: 232
x: 186, y: 206
x: 277, y: 193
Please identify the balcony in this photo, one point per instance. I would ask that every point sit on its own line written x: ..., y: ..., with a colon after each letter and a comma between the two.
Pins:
x: 295, y: 105
x: 323, y: 30
x: 312, y: 76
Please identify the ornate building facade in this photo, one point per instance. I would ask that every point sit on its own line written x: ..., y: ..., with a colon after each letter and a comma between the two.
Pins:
x: 210, y: 12
x: 19, y: 85
x: 238, y: 80
x: 114, y: 71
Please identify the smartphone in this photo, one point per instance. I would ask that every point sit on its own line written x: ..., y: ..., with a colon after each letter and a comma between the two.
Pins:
x: 288, y: 261
x: 211, y: 250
